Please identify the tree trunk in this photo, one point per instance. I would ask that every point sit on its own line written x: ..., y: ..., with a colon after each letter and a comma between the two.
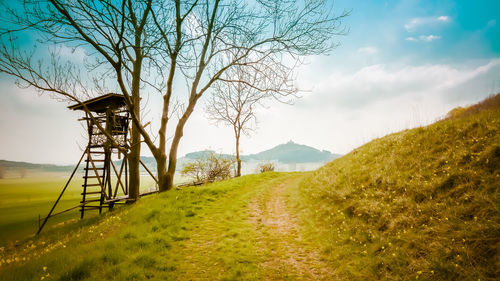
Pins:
x: 135, y: 149
x: 238, y: 160
x: 133, y: 162
x: 172, y: 160
x: 161, y: 164
x: 168, y: 182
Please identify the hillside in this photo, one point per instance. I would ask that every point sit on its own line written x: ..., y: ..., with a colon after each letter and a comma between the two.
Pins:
x: 422, y: 203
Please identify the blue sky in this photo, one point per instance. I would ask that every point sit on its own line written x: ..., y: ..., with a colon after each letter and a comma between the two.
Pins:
x: 402, y: 64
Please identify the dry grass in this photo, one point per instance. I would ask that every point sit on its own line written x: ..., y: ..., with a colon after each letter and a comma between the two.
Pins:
x: 419, y: 204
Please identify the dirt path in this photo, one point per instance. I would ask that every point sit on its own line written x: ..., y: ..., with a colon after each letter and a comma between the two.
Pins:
x: 288, y: 254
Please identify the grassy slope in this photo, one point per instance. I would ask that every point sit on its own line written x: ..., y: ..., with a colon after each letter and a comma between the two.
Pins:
x: 157, y: 238
x: 422, y: 203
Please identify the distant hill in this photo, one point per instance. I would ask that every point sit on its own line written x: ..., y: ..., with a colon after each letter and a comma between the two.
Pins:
x: 14, y: 165
x: 291, y: 152
x: 205, y: 153
x: 287, y: 153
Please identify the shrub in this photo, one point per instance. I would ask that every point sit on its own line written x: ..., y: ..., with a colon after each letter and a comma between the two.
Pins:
x: 210, y: 168
x: 266, y: 167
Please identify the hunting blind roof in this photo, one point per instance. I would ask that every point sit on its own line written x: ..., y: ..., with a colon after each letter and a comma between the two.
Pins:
x: 102, y: 103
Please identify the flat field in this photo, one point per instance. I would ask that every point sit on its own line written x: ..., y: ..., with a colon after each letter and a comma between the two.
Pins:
x: 23, y: 199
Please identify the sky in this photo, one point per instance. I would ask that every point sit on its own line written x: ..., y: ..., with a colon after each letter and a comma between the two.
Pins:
x: 402, y: 64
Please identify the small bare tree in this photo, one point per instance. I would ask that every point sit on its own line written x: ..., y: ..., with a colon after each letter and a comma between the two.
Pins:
x: 235, y: 99
x: 266, y: 167
x: 210, y: 168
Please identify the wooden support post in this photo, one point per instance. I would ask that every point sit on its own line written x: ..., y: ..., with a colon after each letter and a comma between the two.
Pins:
x: 151, y: 174
x: 61, y: 194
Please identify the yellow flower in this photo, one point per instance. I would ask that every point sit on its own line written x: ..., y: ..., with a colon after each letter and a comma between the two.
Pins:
x: 44, y: 268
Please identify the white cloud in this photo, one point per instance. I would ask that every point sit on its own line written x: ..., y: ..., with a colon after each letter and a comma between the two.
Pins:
x: 368, y: 50
x: 380, y: 81
x: 429, y: 38
x: 414, y: 23
x: 423, y: 38
x: 443, y: 18
x: 75, y: 54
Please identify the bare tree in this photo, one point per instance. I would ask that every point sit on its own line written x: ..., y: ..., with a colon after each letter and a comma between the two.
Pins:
x: 111, y: 32
x: 234, y: 101
x: 143, y: 46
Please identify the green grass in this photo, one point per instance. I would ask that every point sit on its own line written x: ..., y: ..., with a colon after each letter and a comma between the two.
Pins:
x: 23, y: 199
x: 422, y: 203
x: 196, y: 233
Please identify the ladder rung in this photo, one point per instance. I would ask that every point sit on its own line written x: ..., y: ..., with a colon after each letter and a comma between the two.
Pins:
x: 95, y: 160
x: 93, y: 200
x: 92, y: 177
x: 93, y: 184
x: 92, y: 192
x: 91, y: 207
x: 92, y: 168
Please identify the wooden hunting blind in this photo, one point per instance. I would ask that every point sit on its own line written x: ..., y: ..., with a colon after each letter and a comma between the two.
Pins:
x: 107, y: 136
x: 107, y: 120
